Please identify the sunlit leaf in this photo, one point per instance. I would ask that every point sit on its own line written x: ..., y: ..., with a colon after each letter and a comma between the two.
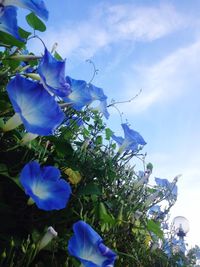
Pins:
x: 73, y: 176
x: 35, y: 22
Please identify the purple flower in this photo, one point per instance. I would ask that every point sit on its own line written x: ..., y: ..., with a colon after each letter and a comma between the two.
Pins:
x: 166, y: 185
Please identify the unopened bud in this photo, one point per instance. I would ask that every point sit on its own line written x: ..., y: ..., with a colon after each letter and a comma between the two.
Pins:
x: 47, y: 238
x: 3, y: 255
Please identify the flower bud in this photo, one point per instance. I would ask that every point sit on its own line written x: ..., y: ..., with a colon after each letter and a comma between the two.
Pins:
x: 47, y: 238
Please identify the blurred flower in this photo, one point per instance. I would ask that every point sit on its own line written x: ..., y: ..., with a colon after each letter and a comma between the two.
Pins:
x: 151, y: 198
x: 36, y: 6
x: 181, y: 245
x: 8, y: 14
x: 87, y: 246
x: 35, y: 107
x: 44, y: 186
x: 47, y: 238
x: 132, y: 140
x: 143, y: 179
x: 52, y: 73
x: 171, y: 187
x: 154, y: 209
x: 8, y: 21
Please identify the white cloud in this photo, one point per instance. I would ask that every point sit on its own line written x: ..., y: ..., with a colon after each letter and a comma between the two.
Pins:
x: 110, y: 24
x: 131, y: 22
x: 166, y: 80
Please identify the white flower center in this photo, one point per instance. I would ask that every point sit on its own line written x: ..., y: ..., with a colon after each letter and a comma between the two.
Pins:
x: 40, y: 190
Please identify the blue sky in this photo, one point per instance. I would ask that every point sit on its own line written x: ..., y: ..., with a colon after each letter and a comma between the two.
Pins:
x: 148, y: 45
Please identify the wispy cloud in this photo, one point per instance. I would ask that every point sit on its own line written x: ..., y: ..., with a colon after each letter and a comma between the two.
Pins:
x: 110, y: 24
x: 166, y: 80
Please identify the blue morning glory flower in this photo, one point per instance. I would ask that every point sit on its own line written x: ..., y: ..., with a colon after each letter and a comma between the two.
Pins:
x: 167, y: 185
x: 37, y: 109
x: 36, y: 6
x: 8, y: 21
x: 162, y: 182
x: 8, y: 14
x: 96, y: 93
x: 52, y: 73
x: 132, y: 140
x: 102, y: 108
x: 87, y: 246
x: 44, y: 186
x: 80, y: 94
x: 154, y: 209
x: 84, y: 94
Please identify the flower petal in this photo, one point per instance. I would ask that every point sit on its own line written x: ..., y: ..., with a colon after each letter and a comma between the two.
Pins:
x: 8, y: 21
x: 88, y: 247
x: 162, y: 182
x: 102, y: 108
x: 132, y: 140
x: 132, y: 135
x: 97, y: 93
x: 48, y: 192
x: 118, y: 139
x: 52, y: 73
x: 80, y: 95
x: 38, y: 110
x: 36, y: 6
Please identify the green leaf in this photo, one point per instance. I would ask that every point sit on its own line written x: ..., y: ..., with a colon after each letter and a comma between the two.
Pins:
x: 109, y: 133
x: 150, y: 166
x: 23, y: 34
x: 4, y: 170
x: 98, y: 140
x: 154, y: 227
x: 57, y: 56
x: 35, y: 22
x: 104, y: 215
x: 8, y: 40
x: 90, y: 189
x: 63, y: 148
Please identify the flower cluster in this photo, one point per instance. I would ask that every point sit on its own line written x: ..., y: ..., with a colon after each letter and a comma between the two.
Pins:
x: 64, y: 166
